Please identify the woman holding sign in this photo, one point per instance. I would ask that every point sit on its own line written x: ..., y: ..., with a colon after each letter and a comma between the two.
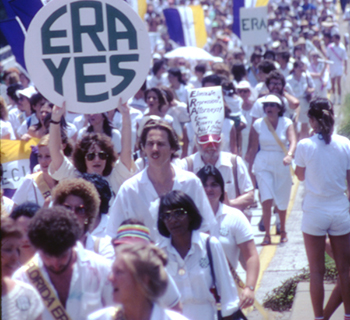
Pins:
x: 271, y: 164
x: 94, y: 153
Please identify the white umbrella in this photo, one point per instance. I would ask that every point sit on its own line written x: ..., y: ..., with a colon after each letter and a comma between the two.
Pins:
x: 190, y: 53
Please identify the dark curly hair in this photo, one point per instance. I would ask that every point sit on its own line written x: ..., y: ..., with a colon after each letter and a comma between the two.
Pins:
x: 322, y: 111
x: 178, y: 199
x: 82, y: 148
x: 161, y: 125
x: 275, y: 75
x: 81, y: 188
x: 54, y: 230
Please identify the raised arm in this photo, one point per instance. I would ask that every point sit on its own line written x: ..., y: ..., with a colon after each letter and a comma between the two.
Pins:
x: 56, y: 151
x: 126, y: 153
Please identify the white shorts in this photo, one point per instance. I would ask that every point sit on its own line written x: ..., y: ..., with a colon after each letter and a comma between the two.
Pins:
x: 321, y: 223
x: 336, y: 70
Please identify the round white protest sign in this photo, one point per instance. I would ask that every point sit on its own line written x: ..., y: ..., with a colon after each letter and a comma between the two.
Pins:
x: 87, y: 53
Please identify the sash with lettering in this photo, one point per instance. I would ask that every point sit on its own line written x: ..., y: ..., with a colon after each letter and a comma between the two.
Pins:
x: 47, y: 294
x: 42, y: 185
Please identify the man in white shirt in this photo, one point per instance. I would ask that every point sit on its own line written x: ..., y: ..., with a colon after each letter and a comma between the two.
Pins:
x: 70, y: 280
x: 232, y: 169
x: 139, y: 196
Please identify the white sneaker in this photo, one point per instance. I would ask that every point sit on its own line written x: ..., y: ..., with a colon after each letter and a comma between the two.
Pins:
x: 339, y: 100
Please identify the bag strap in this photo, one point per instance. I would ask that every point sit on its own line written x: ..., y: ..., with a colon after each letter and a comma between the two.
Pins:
x: 235, y: 173
x: 210, y: 257
x: 47, y: 294
x: 189, y: 161
x: 45, y: 190
x: 278, y: 140
x: 335, y: 53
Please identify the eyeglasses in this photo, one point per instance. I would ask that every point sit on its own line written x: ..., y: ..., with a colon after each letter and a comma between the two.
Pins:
x: 78, y: 210
x: 91, y: 155
x: 243, y: 90
x: 177, y: 214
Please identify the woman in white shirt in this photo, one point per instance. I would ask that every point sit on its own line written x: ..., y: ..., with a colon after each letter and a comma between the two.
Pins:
x: 323, y: 161
x: 233, y: 230
x: 271, y: 164
x: 178, y: 221
x: 94, y: 153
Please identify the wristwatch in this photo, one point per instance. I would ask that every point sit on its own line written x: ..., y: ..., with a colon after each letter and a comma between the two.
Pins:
x: 290, y: 154
x: 250, y: 287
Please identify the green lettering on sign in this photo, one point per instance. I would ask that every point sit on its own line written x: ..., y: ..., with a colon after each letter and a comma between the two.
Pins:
x: 81, y: 79
x: 47, y: 34
x: 57, y: 73
x: 128, y: 74
x: 114, y: 35
x: 245, y: 25
x: 91, y: 30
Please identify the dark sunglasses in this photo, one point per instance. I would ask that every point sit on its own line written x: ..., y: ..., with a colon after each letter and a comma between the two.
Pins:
x: 91, y: 155
x: 177, y: 214
x: 243, y: 90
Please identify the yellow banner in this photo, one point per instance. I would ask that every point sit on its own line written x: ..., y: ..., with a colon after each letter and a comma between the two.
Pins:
x: 261, y: 3
x: 12, y: 150
x: 199, y: 26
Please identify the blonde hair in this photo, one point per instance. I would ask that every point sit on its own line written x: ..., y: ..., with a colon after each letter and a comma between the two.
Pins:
x: 146, y: 264
x: 44, y: 141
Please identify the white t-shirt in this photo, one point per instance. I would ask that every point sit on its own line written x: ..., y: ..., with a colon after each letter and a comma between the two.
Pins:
x: 193, y: 278
x: 28, y: 191
x: 89, y: 290
x: 5, y: 129
x: 119, y: 174
x: 21, y: 303
x: 266, y: 139
x: 138, y: 199
x: 224, y: 165
x: 325, y: 175
x: 233, y: 228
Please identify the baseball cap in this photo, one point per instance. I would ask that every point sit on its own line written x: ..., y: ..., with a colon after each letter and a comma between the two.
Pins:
x: 27, y: 92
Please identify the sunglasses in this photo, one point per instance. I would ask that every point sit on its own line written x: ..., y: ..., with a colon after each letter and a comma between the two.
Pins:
x: 243, y: 90
x: 177, y: 214
x: 91, y: 155
x: 79, y: 210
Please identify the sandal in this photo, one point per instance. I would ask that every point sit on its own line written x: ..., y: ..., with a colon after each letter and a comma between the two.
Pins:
x: 284, y: 237
x: 266, y: 241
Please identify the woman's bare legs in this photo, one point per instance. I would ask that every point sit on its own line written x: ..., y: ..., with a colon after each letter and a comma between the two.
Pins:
x: 266, y: 209
x: 315, y: 247
x: 341, y: 253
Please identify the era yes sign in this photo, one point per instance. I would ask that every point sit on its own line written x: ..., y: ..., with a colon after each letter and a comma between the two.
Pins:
x: 87, y: 53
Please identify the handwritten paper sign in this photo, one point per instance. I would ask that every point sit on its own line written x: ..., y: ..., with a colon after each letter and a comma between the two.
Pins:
x: 206, y: 106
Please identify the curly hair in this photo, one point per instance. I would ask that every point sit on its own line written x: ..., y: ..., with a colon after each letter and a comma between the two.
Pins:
x: 161, y: 125
x: 322, y: 111
x: 146, y: 264
x: 82, y: 148
x: 79, y: 187
x: 276, y: 75
x: 54, y: 230
x: 177, y: 199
